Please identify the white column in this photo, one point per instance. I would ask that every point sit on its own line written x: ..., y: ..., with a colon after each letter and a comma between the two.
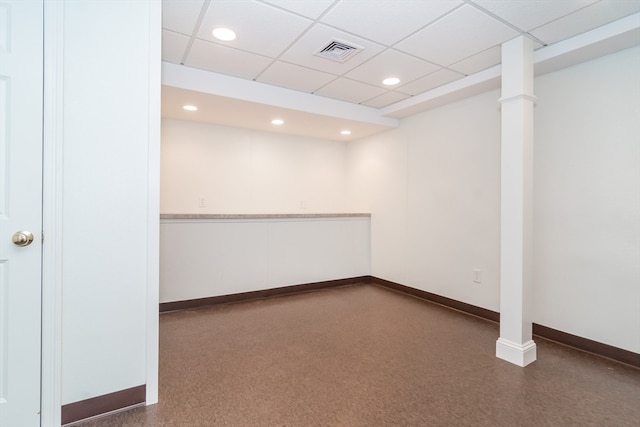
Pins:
x: 515, y: 344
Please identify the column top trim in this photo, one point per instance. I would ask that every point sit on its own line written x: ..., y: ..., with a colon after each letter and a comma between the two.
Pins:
x: 526, y: 97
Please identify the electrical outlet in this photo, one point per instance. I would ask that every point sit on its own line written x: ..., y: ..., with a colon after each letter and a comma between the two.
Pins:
x: 202, y: 202
x: 476, y: 275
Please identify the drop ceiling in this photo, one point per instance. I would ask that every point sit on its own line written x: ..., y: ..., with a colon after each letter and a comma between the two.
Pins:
x: 439, y: 49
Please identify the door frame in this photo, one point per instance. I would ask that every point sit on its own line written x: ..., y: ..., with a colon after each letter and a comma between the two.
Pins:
x: 52, y: 191
x: 52, y: 151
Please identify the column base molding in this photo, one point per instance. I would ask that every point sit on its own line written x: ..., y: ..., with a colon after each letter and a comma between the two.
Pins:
x: 518, y: 354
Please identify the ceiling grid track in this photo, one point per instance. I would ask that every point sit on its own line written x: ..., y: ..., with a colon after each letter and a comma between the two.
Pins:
x: 439, y: 50
x: 196, y: 29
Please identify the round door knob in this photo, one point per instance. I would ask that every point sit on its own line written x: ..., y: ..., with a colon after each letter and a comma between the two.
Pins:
x: 22, y: 238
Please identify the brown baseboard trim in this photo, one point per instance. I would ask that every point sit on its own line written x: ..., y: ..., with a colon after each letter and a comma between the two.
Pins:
x: 594, y: 347
x: 266, y: 293
x: 448, y: 302
x: 99, y: 405
x: 590, y: 346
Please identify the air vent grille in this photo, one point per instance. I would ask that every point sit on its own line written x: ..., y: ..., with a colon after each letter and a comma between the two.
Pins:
x: 338, y: 50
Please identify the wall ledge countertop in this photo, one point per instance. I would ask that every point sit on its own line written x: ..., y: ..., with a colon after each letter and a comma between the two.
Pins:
x: 264, y: 216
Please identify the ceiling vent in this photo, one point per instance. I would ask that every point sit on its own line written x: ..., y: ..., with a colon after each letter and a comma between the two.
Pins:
x: 338, y: 50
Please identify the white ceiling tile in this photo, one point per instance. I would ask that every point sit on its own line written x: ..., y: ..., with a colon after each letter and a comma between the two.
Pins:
x: 302, y: 52
x: 385, y: 99
x: 295, y: 77
x: 173, y: 46
x: 529, y: 14
x: 481, y: 61
x: 260, y: 28
x: 221, y: 59
x: 349, y: 90
x: 277, y: 40
x: 585, y: 19
x: 429, y: 82
x: 181, y: 16
x: 311, y: 9
x: 384, y: 21
x: 391, y: 63
x: 463, y: 33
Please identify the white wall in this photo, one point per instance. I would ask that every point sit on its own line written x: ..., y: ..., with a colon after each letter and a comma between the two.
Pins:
x: 432, y: 187
x: 108, y: 137
x: 434, y: 193
x: 377, y: 182
x: 211, y: 257
x: 241, y: 171
x: 587, y: 200
x: 244, y: 171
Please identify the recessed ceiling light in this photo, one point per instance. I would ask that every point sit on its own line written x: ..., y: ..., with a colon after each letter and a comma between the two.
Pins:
x: 390, y: 81
x: 277, y: 121
x: 190, y: 108
x: 224, y: 34
x: 345, y: 132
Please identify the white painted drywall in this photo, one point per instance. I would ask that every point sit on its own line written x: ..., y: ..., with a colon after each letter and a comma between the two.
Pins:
x: 205, y: 258
x: 242, y: 171
x: 377, y: 182
x: 108, y: 135
x: 433, y: 188
x: 251, y: 172
x: 587, y: 200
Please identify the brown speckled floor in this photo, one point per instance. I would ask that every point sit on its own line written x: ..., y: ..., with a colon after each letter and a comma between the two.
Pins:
x: 366, y: 356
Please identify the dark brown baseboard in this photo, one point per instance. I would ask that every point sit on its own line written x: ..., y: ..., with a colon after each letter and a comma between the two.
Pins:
x: 590, y: 346
x: 100, y: 405
x: 254, y: 295
x: 574, y: 341
x: 448, y: 302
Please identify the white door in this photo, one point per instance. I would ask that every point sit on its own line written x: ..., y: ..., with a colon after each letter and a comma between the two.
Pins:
x: 21, y: 68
